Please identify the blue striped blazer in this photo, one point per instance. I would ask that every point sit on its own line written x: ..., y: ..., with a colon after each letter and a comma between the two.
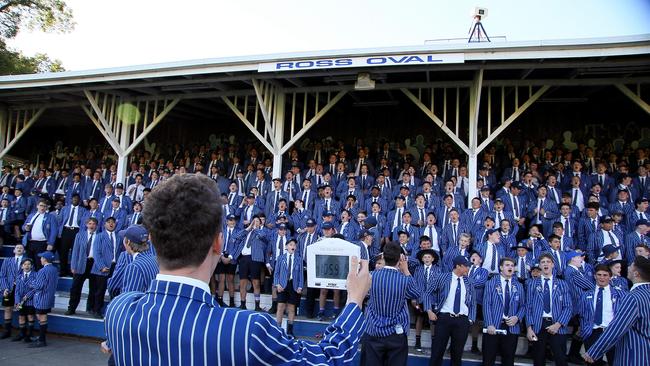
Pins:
x: 631, y: 240
x: 479, y: 277
x: 272, y: 249
x: 8, y: 273
x: 595, y: 244
x: 493, y: 303
x: 180, y: 324
x: 65, y: 217
x: 116, y: 280
x: 561, y: 304
x: 629, y: 331
x: 448, y: 256
x: 281, y: 273
x: 440, y: 291
x: 257, y: 243
x: 387, y: 306
x: 578, y: 283
x: 421, y: 280
x: 49, y: 227
x: 44, y: 287
x: 24, y: 289
x: 587, y: 310
x: 96, y: 214
x: 140, y: 272
x: 102, y: 253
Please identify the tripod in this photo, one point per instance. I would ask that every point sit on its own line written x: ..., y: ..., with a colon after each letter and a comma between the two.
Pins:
x: 478, y: 33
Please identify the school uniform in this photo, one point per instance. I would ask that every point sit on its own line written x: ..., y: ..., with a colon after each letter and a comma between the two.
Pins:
x: 139, y: 274
x: 90, y: 213
x: 225, y: 336
x: 74, y: 188
x: 434, y: 235
x: 548, y: 302
x: 44, y: 289
x: 249, y: 252
x: 25, y: 294
x: 7, y: 218
x: 450, y: 253
x: 94, y: 189
x: 628, y: 331
x: 473, y: 219
x: 631, y: 241
x: 503, y: 298
x: 550, y: 213
x: 491, y: 254
x: 288, y: 273
x: 116, y: 280
x: 105, y: 205
x: 597, y: 310
x: 522, y: 267
x: 91, y: 253
x: 70, y: 221
x: 450, y: 234
x: 599, y: 239
x: 456, y: 308
x: 42, y: 233
x: 9, y: 272
x: 119, y: 215
x: 385, y: 340
x: 479, y: 277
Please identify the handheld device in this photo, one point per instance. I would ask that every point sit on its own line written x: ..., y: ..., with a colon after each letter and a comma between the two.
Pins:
x: 328, y: 263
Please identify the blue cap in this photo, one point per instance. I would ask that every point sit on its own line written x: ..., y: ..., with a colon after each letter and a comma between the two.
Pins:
x: 609, y: 249
x: 461, y: 260
x: 328, y: 213
x: 328, y: 225
x: 365, y: 232
x: 136, y: 233
x: 310, y: 222
x: 572, y: 254
x: 371, y: 220
x: 282, y: 226
x: 231, y: 217
x: 642, y: 222
x: 49, y: 256
x: 491, y: 231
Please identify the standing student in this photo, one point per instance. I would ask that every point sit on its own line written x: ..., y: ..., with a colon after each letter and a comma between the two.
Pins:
x: 249, y: 254
x: 44, y: 289
x: 227, y: 267
x: 629, y: 330
x: 504, y: 307
x: 597, y: 309
x: 40, y: 231
x: 548, y: 312
x: 385, y: 341
x: 454, y: 311
x: 288, y: 282
x: 24, y: 302
x: 425, y: 275
x: 188, y: 249
x: 143, y: 269
x: 10, y: 270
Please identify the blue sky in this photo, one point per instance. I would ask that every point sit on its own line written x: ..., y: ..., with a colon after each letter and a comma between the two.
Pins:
x: 120, y: 32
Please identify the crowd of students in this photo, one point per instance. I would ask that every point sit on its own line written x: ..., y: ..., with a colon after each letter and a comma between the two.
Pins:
x: 547, y: 224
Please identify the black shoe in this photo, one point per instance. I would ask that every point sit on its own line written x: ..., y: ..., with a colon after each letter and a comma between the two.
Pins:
x: 476, y: 351
x: 242, y: 306
x: 27, y: 340
x: 98, y: 316
x: 6, y: 334
x: 232, y: 303
x: 575, y: 359
x: 19, y: 338
x: 37, y: 344
x: 418, y: 347
x: 258, y: 308
x: 273, y: 310
x: 70, y: 312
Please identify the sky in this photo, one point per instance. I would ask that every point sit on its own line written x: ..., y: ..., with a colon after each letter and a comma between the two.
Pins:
x: 132, y: 32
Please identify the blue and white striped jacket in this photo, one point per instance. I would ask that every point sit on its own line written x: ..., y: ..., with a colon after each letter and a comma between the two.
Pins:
x: 257, y: 242
x: 102, y: 253
x: 140, y: 272
x: 440, y: 291
x: 45, y: 287
x: 587, y: 310
x: 561, y: 304
x: 493, y: 303
x: 175, y: 323
x: 387, y: 306
x: 281, y: 272
x: 23, y: 289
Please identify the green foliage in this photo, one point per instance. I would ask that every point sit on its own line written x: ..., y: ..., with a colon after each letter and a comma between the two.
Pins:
x: 43, y: 15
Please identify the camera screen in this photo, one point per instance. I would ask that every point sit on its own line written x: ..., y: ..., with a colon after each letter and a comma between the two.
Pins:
x: 332, y: 266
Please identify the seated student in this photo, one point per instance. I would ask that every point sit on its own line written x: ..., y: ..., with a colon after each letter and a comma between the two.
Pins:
x: 288, y: 281
x: 143, y: 269
x: 44, y: 289
x: 24, y: 300
x: 9, y: 271
x: 425, y: 273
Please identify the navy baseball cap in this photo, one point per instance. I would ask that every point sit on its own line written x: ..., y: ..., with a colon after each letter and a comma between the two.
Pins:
x: 311, y: 222
x: 49, y: 256
x: 491, y: 231
x: 363, y: 233
x: 572, y: 254
x: 282, y: 226
x: 328, y: 225
x: 231, y: 217
x: 328, y: 213
x: 119, y: 186
x: 136, y: 233
x: 372, y: 221
x: 609, y: 249
x: 461, y: 260
x: 642, y: 222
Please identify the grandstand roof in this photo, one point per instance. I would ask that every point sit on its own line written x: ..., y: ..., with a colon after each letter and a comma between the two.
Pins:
x: 566, y: 62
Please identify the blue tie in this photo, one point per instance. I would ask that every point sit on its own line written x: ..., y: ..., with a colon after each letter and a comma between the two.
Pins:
x: 494, y: 258
x: 457, y: 297
x: 547, y: 297
x: 598, y: 314
x: 522, y: 269
x: 506, y: 306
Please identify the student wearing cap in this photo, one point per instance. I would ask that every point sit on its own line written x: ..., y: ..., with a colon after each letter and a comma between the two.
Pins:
x: 227, y: 266
x: 91, y: 259
x: 549, y: 310
x: 523, y: 262
x: 385, y: 340
x: 305, y: 239
x: 44, y: 287
x: 368, y: 251
x: 138, y: 274
x: 125, y: 201
x: 453, y: 311
x: 24, y: 301
x: 40, y: 231
x: 9, y: 272
x: 628, y: 330
x: 288, y: 283
x: 425, y: 274
x: 277, y: 240
x: 637, y: 237
x: 504, y: 307
x: 71, y: 220
x: 249, y: 252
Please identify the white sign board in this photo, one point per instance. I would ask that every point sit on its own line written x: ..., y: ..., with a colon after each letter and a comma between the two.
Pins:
x: 366, y: 61
x: 328, y: 263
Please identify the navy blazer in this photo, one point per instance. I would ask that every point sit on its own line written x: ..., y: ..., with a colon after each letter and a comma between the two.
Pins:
x: 64, y: 218
x: 561, y: 304
x: 281, y: 272
x: 440, y: 291
x: 102, y: 253
x: 587, y: 310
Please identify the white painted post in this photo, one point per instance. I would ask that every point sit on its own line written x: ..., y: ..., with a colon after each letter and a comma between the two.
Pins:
x: 278, y: 135
x: 472, y: 161
x: 122, y: 164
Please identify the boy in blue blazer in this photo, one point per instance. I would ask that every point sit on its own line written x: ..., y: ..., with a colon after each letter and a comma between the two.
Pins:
x: 288, y: 281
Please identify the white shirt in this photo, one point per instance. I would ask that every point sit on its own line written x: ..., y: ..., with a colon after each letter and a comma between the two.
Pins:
x: 431, y: 232
x: 74, y: 217
x: 184, y: 280
x: 92, y: 243
x: 608, y: 306
x: 37, y: 227
x: 245, y: 250
x: 550, y: 287
x: 487, y: 263
x: 448, y: 306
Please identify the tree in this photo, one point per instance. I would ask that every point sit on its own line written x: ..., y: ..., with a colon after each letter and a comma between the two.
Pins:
x: 44, y: 15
